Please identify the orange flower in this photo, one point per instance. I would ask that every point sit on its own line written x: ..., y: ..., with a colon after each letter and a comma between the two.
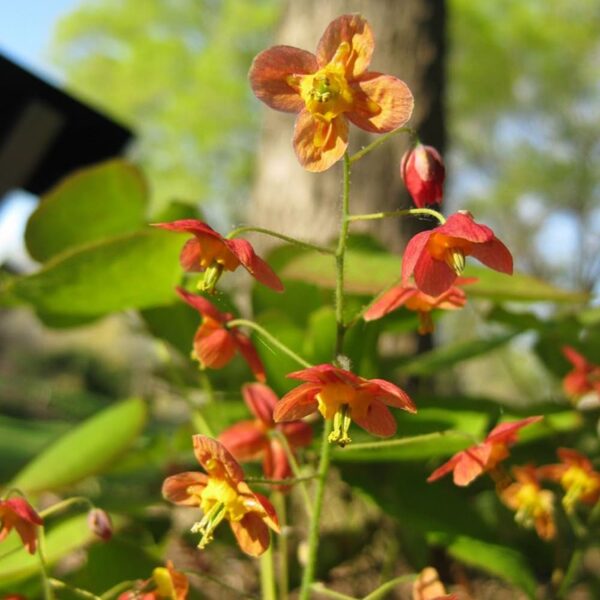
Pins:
x: 167, y: 584
x: 427, y: 586
x: 583, y: 380
x: 472, y: 462
x: 214, y: 343
x: 329, y: 89
x: 437, y: 257
x: 249, y: 439
x: 209, y: 252
x: 577, y: 477
x: 423, y: 172
x: 416, y: 300
x: 17, y: 513
x: 222, y: 493
x: 344, y: 397
x: 534, y: 506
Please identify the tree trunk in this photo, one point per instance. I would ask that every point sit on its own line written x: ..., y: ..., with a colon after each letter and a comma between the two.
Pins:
x: 409, y: 44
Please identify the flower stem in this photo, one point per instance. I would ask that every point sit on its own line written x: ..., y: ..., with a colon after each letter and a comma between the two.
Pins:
x: 287, y: 481
x: 61, y: 585
x: 48, y: 593
x: 381, y: 140
x: 279, y: 501
x: 399, y: 213
x: 267, y: 575
x: 285, y: 238
x: 64, y: 504
x: 264, y: 333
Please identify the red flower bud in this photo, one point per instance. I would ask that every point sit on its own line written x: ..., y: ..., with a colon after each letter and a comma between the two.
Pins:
x: 423, y: 173
x: 100, y: 524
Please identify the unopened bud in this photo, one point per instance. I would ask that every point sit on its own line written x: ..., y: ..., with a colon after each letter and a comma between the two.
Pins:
x: 100, y: 524
x: 423, y: 172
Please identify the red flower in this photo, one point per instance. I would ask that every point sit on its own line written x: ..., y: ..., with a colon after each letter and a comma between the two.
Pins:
x: 17, y: 513
x: 437, y: 257
x: 584, y: 379
x: 423, y: 173
x: 472, y: 462
x: 577, y: 477
x: 414, y: 299
x: 100, y: 524
x: 534, y: 506
x: 215, y: 344
x: 165, y: 584
x: 344, y: 397
x: 211, y: 253
x: 249, y: 439
x: 222, y: 493
x: 329, y: 89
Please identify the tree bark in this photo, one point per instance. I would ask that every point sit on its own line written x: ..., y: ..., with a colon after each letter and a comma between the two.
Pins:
x: 409, y: 44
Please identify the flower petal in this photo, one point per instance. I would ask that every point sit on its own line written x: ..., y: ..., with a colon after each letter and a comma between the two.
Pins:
x: 507, y: 432
x: 208, y: 450
x: 248, y: 351
x: 214, y: 346
x: 392, y: 395
x: 354, y: 30
x: 378, y: 420
x: 255, y: 265
x: 251, y: 534
x: 269, y: 75
x: 390, y: 301
x: 319, y: 144
x: 261, y: 400
x: 433, y: 277
x: 245, y: 440
x: 184, y: 488
x: 298, y: 433
x: 577, y: 360
x: 462, y: 225
x: 297, y: 403
x: 275, y: 463
x: 472, y: 463
x: 495, y: 255
x: 193, y: 226
x: 412, y: 253
x: 201, y: 304
x: 381, y: 103
x: 190, y: 255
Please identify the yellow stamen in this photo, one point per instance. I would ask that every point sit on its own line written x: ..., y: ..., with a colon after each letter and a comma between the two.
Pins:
x: 577, y: 484
x: 326, y: 93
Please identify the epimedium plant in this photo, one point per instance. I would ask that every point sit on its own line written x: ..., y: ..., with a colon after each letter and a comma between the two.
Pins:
x: 328, y: 90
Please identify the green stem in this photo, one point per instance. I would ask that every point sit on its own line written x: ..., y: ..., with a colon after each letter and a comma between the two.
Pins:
x: 267, y: 575
x: 64, y: 504
x: 399, y: 213
x: 388, y: 586
x: 285, y: 238
x: 48, y: 593
x: 319, y: 588
x: 288, y: 481
x: 313, y: 534
x: 381, y: 140
x: 117, y: 589
x: 279, y: 501
x: 262, y: 331
x: 571, y: 573
x: 61, y: 585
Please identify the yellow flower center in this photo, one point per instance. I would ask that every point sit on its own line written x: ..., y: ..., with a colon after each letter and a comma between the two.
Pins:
x: 450, y: 250
x: 164, y: 583
x: 578, y: 484
x: 215, y: 257
x: 533, y: 504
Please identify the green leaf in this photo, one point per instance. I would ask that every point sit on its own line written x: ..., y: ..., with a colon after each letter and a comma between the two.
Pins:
x: 60, y: 540
x: 450, y: 354
x: 504, y: 562
x: 136, y: 270
x: 85, y: 450
x: 89, y: 205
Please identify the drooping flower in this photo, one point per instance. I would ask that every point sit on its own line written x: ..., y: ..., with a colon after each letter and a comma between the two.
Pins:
x: 215, y: 344
x: 423, y: 172
x: 583, y: 381
x: 248, y: 440
x: 100, y: 524
x: 437, y: 257
x: 468, y: 464
x: 330, y: 89
x: 165, y: 584
x: 209, y: 252
x: 534, y: 506
x: 344, y: 397
x: 427, y: 586
x: 577, y: 477
x: 221, y: 493
x: 414, y: 299
x: 18, y: 514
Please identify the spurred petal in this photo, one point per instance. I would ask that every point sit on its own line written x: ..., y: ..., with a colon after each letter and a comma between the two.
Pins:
x: 507, y: 432
x: 245, y: 440
x: 184, y: 488
x: 251, y: 534
x: 412, y: 253
x: 297, y: 403
x: 214, y: 346
x: 392, y: 395
x: 390, y: 301
x: 382, y: 103
x: 209, y: 451
x: 318, y: 143
x: 495, y: 255
x: 269, y: 75
x: 355, y: 31
x: 255, y: 265
x: 433, y: 277
x: 248, y: 351
x: 202, y: 305
x: 261, y: 400
x: 378, y: 420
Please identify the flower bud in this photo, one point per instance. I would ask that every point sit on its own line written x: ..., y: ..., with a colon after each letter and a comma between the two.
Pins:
x: 100, y: 524
x: 423, y: 173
